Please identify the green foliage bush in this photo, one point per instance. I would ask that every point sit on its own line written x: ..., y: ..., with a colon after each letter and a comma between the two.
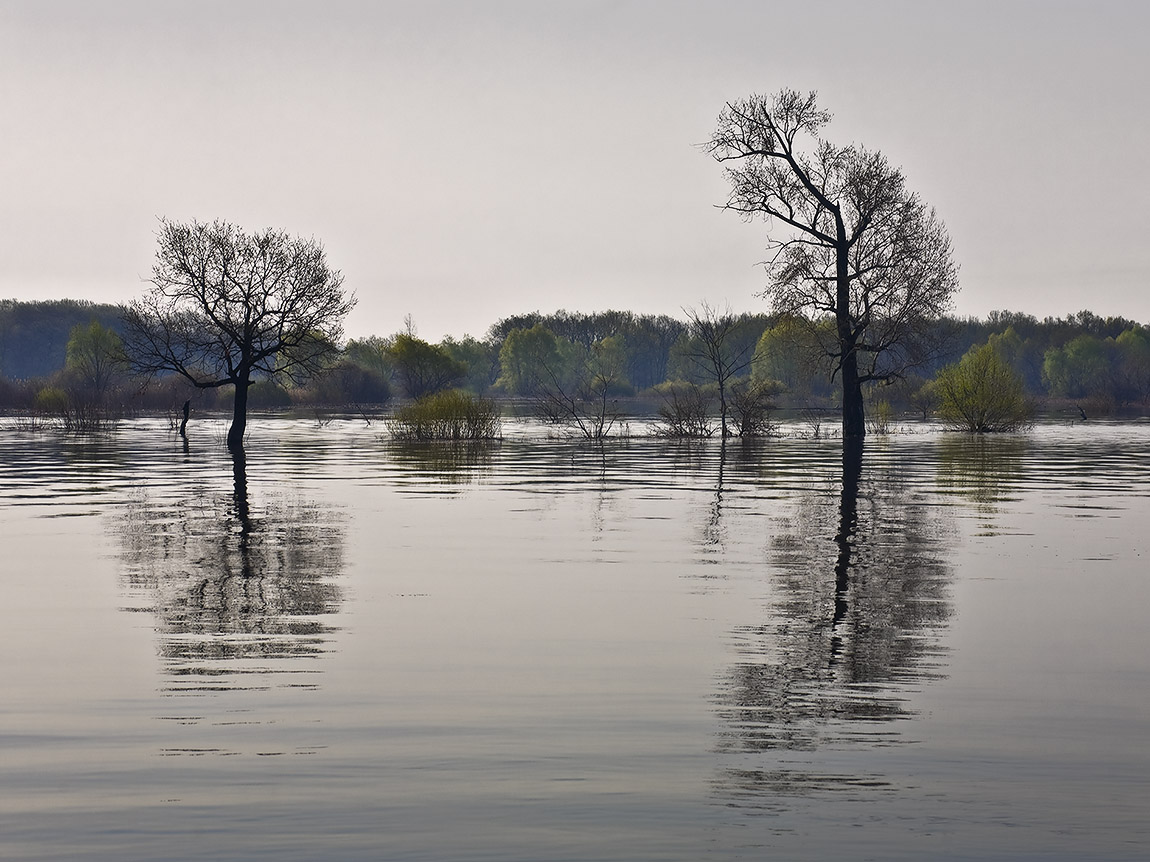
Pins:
x: 422, y: 368
x: 95, y: 359
x: 880, y: 419
x: 532, y: 358
x: 52, y: 400
x: 479, y: 358
x: 449, y: 415
x: 982, y: 393
x: 791, y: 352
x: 268, y: 393
x: 751, y: 407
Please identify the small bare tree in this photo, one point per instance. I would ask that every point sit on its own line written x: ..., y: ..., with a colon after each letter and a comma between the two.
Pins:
x: 685, y: 411
x: 751, y: 407
x: 584, y: 398
x: 227, y: 306
x: 713, y: 348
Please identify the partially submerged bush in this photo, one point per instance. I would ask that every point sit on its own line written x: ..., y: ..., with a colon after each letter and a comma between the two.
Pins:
x: 751, y: 406
x: 73, y: 412
x: 583, y: 412
x: 686, y: 410
x: 881, y: 418
x: 450, y: 415
x: 584, y: 401
x: 52, y: 400
x: 982, y: 393
x: 813, y: 418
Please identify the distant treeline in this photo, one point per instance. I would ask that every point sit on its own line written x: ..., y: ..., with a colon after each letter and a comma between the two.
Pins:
x: 1100, y: 362
x: 34, y: 335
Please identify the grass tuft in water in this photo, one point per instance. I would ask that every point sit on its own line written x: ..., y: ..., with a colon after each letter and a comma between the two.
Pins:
x: 450, y: 415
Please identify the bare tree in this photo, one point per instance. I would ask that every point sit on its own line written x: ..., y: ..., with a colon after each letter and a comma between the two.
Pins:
x: 583, y: 397
x: 685, y: 411
x: 714, y: 347
x: 227, y: 306
x: 848, y: 241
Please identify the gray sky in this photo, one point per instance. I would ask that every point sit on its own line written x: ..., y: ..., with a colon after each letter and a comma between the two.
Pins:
x: 462, y: 161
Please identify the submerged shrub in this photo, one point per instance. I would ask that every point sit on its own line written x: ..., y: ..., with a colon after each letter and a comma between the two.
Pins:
x: 751, y: 407
x: 450, y: 415
x: 73, y: 413
x: 686, y: 410
x: 268, y: 393
x: 982, y: 393
x: 881, y: 418
x: 52, y: 400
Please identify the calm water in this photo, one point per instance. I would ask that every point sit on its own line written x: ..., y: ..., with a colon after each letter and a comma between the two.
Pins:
x: 349, y: 649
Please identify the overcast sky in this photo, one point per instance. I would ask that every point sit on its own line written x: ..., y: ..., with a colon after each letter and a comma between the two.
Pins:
x: 463, y: 161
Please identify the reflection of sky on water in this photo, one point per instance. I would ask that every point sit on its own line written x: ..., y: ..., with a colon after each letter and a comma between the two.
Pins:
x: 548, y: 649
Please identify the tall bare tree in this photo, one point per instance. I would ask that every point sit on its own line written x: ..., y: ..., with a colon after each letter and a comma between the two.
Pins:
x: 847, y: 239
x: 227, y: 306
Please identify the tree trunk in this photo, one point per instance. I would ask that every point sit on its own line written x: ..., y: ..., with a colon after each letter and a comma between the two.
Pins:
x: 722, y: 410
x: 239, y: 416
x: 854, y: 418
x: 848, y: 521
x: 845, y: 539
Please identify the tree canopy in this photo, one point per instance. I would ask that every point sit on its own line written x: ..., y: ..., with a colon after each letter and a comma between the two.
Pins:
x: 227, y: 306
x: 423, y: 368
x: 847, y: 240
x: 1101, y: 364
x: 982, y: 393
x: 95, y: 357
x: 34, y: 335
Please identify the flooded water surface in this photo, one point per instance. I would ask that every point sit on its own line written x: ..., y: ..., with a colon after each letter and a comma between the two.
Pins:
x: 344, y: 648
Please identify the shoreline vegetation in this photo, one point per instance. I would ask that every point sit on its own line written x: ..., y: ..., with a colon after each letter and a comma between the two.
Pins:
x: 508, y: 418
x: 63, y: 366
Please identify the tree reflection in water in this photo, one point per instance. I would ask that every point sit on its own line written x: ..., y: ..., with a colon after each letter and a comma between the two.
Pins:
x: 862, y: 590
x: 239, y: 594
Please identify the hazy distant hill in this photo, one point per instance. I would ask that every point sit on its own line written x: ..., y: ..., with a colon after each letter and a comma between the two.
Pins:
x: 34, y: 335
